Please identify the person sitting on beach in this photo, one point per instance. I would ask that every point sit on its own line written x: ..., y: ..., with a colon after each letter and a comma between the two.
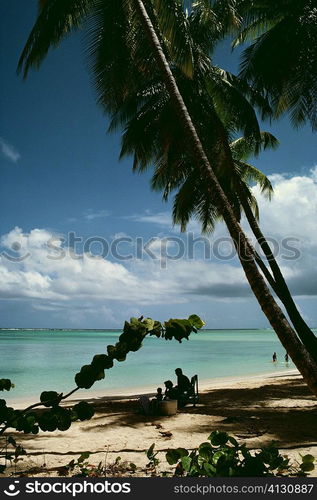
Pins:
x: 144, y: 404
x: 159, y: 394
x: 155, y: 402
x: 170, y: 390
x: 183, y: 382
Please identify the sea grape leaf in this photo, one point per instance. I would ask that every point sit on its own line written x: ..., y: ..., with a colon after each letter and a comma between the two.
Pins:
x: 149, y: 323
x: 308, y: 458
x: 173, y: 456
x: 186, y: 463
x: 218, y: 438
x: 5, y: 384
x: 102, y: 362
x: 83, y: 456
x: 49, y: 398
x: 84, y: 410
x: 150, y: 451
x: 196, y: 321
x: 307, y: 466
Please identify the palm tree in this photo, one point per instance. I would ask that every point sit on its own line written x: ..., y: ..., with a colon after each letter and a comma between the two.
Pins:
x: 282, y: 57
x: 57, y: 18
x: 152, y: 136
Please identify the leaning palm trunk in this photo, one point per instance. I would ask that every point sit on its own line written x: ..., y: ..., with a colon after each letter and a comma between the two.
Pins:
x: 287, y: 336
x: 280, y: 287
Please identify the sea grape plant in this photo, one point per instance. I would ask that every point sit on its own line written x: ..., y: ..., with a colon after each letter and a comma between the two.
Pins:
x: 223, y: 456
x: 53, y: 416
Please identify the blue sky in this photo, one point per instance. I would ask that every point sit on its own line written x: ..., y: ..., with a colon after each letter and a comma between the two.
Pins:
x: 60, y: 173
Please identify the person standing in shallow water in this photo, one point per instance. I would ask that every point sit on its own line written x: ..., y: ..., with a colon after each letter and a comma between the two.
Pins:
x: 286, y: 357
x: 274, y: 357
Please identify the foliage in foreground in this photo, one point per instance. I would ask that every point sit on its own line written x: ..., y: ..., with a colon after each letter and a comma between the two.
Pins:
x: 220, y: 456
x: 223, y: 456
x: 53, y: 416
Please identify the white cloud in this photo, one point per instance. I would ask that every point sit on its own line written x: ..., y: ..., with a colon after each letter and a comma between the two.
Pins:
x: 9, y: 151
x: 160, y: 218
x: 90, y: 214
x: 76, y: 276
x: 90, y: 285
x: 293, y: 209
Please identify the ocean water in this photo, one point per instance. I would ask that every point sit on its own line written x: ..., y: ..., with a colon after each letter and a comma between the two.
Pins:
x: 48, y: 360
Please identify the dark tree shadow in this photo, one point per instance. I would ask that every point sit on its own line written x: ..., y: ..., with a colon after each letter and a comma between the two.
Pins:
x: 263, y: 412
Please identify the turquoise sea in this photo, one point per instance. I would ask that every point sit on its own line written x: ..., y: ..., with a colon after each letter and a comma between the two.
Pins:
x: 37, y: 360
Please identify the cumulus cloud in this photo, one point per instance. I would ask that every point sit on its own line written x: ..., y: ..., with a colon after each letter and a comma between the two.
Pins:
x: 9, y: 151
x: 67, y: 275
x: 292, y: 214
x: 293, y: 209
x: 58, y: 277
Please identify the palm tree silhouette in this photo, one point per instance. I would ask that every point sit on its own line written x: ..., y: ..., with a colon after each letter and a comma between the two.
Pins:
x: 141, y: 35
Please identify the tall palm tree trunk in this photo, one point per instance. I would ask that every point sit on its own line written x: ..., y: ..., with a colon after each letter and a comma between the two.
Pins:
x: 280, y: 287
x: 286, y: 334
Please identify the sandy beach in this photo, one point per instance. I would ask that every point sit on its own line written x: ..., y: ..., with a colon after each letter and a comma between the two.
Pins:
x: 256, y: 410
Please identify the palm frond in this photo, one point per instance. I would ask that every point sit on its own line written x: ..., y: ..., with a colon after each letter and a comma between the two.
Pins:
x: 173, y: 24
x: 281, y: 61
x: 242, y: 148
x: 231, y: 105
x: 250, y: 174
x: 56, y: 19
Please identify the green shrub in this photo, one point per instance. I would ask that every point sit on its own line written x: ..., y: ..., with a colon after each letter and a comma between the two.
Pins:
x: 223, y: 456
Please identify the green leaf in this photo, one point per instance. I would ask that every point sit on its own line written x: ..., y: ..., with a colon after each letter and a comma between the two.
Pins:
x: 133, y: 321
x: 88, y: 375
x: 218, y: 438
x: 178, y: 329
x: 205, y: 450
x: 186, y: 463
x: 84, y: 410
x: 173, y: 456
x: 157, y: 329
x: 49, y: 398
x: 308, y: 458
x: 118, y: 351
x: 196, y: 321
x: 48, y: 422
x: 64, y: 419
x: 209, y: 469
x: 205, y: 444
x: 12, y: 441
x: 149, y: 323
x: 307, y: 466
x: 233, y: 441
x: 217, y: 456
x: 102, y: 362
x: 83, y: 456
x: 149, y: 452
x: 5, y: 384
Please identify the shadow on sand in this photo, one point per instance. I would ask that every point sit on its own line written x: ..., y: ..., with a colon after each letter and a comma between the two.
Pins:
x: 285, y: 410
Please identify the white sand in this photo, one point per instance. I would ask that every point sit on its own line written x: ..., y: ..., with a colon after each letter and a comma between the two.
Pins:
x: 267, y: 408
